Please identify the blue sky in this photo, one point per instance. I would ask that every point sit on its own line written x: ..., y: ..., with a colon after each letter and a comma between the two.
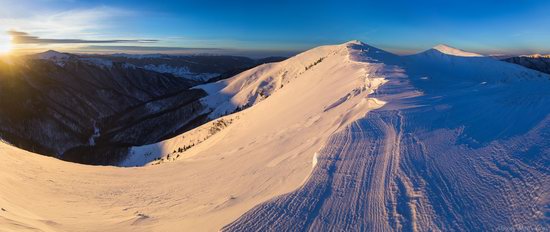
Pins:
x: 277, y: 27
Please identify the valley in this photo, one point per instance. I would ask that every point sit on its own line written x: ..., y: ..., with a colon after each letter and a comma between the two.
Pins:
x: 340, y: 137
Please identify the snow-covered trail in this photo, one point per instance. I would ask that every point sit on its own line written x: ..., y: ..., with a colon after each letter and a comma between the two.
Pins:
x: 447, y: 143
x: 352, y: 187
x: 359, y: 187
x: 261, y: 152
x: 370, y: 178
x: 442, y: 154
x: 351, y: 174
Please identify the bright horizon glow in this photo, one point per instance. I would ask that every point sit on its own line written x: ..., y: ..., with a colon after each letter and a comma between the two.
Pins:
x: 283, y: 27
x: 5, y: 44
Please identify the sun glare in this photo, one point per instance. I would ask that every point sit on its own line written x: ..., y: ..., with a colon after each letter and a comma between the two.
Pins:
x: 5, y: 44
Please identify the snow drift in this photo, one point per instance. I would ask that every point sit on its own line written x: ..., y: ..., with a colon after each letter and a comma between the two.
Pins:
x: 439, y: 141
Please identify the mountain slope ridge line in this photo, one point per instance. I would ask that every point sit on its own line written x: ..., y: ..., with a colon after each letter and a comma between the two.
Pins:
x: 439, y: 187
x: 402, y: 143
x: 175, y: 192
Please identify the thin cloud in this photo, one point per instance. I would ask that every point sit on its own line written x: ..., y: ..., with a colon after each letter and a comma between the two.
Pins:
x: 102, y: 49
x: 19, y: 37
x: 149, y: 48
x: 69, y: 23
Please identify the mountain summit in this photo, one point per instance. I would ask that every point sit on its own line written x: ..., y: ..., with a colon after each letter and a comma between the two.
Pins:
x: 446, y: 49
x: 54, y: 55
x: 338, y: 138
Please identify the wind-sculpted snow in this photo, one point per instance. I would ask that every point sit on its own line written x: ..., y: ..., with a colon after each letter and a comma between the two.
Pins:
x: 428, y: 142
x: 315, y: 92
x: 376, y: 175
x: 471, y: 153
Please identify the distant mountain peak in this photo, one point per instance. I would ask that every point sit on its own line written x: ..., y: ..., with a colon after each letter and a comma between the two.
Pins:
x: 53, y: 55
x: 354, y: 42
x: 536, y: 55
x: 446, y: 49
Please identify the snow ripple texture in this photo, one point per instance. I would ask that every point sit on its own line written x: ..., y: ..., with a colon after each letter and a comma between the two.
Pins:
x: 468, y: 155
x: 443, y: 140
x: 376, y: 176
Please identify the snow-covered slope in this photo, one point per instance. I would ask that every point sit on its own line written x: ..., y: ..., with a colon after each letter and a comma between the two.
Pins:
x: 84, y: 104
x: 470, y: 153
x: 339, y: 138
x: 198, y: 68
x: 307, y: 96
x: 52, y: 55
x: 539, y: 63
x: 181, y: 72
x: 446, y: 49
x: 536, y: 56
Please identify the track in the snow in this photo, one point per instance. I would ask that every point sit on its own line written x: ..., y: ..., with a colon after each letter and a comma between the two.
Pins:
x: 401, y: 169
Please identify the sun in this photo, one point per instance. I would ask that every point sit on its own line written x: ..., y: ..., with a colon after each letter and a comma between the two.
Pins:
x: 5, y: 44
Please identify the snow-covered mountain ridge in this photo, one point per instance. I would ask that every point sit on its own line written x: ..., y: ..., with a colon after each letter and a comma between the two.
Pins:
x: 200, y: 68
x: 536, y: 56
x: 294, y: 82
x: 82, y: 104
x: 68, y: 97
x: 536, y: 62
x: 338, y: 138
x: 446, y: 49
